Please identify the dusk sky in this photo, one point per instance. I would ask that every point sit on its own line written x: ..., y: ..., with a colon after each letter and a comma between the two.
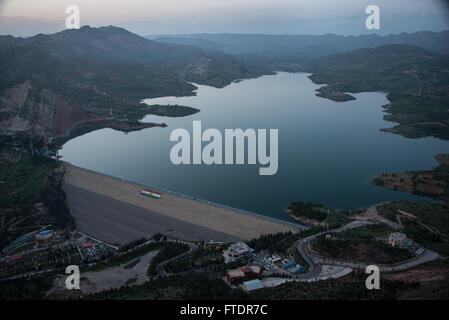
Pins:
x: 25, y: 17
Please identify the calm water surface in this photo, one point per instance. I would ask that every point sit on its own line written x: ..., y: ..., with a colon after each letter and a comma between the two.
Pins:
x: 328, y: 151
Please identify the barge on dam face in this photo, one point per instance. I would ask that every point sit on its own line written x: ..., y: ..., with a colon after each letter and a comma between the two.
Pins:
x: 114, y: 210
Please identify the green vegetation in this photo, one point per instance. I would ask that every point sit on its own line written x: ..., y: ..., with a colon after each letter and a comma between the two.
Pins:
x: 428, y: 215
x: 112, y: 260
x: 293, y: 251
x: 197, y: 286
x: 284, y: 246
x: 202, y: 286
x: 348, y: 288
x: 365, y: 233
x: 332, y: 94
x: 171, y: 110
x: 359, y: 244
x: 134, y: 244
x: 310, y: 213
x: 23, y: 289
x: 168, y: 251
x: 23, y: 182
x: 309, y: 210
x: 207, y: 256
x: 416, y: 79
x: 27, y: 181
x: 432, y: 183
x: 267, y: 241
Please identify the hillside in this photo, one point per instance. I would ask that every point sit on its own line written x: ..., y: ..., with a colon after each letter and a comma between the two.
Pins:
x: 50, y: 82
x: 179, y: 61
x: 416, y: 80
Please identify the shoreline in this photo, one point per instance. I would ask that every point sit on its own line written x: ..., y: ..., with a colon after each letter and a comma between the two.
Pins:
x: 430, y: 183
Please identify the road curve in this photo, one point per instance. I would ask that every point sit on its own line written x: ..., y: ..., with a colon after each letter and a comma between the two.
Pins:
x: 314, y: 268
x: 372, y: 211
x: 315, y: 261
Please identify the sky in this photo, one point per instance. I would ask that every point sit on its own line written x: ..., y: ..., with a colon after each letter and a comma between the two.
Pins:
x: 147, y: 17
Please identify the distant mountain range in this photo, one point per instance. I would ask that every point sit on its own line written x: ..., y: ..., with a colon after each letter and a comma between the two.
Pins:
x: 50, y: 82
x: 305, y: 47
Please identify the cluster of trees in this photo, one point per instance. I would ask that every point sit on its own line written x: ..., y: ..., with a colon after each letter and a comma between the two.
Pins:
x: 110, y: 259
x: 24, y: 289
x: 349, y: 288
x: 27, y: 181
x: 56, y: 202
x: 359, y: 244
x: 190, y: 286
x: 309, y: 210
x: 133, y: 244
x: 169, y: 250
x: 266, y: 241
x: 203, y: 257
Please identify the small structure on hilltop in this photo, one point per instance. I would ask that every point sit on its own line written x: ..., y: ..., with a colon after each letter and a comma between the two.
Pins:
x: 397, y: 239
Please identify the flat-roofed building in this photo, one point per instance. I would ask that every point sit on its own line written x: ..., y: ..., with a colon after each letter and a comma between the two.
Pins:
x: 252, y: 285
x: 245, y: 272
x: 235, y: 275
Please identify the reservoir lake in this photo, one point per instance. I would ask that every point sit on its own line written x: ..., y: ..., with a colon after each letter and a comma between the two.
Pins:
x: 328, y: 151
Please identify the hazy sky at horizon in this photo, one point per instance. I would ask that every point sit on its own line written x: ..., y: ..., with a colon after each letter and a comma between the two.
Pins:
x: 25, y: 17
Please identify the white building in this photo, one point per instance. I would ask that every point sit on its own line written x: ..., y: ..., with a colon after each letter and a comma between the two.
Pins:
x: 236, y: 251
x: 397, y: 239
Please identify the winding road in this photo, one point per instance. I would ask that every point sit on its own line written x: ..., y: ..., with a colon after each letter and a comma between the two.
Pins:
x: 316, y: 261
x: 314, y: 267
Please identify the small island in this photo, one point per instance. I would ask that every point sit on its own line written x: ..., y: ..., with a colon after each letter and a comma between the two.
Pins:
x: 171, y: 110
x: 333, y: 94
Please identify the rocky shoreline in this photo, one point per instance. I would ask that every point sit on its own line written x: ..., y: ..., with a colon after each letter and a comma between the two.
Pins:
x: 432, y: 183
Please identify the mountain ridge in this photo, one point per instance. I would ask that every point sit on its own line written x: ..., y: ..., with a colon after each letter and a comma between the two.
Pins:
x: 306, y: 47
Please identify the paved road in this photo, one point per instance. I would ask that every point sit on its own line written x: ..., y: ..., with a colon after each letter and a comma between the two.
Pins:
x: 160, y: 267
x: 373, y: 213
x: 314, y: 268
x: 315, y: 261
x: 426, y: 256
